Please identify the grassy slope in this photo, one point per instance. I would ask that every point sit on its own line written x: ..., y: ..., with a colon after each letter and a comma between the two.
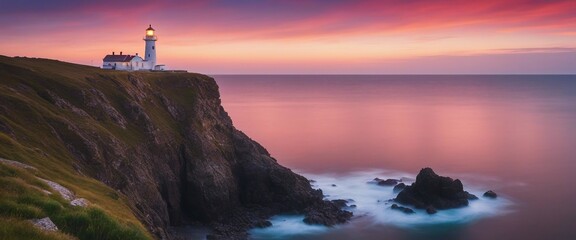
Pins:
x: 22, y: 82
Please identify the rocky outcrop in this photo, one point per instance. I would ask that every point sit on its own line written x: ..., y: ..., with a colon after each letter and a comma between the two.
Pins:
x: 161, y: 139
x: 402, y: 209
x: 433, y: 192
x: 80, y: 202
x: 16, y: 164
x: 64, y: 192
x: 490, y: 194
x: 386, y: 182
x: 327, y: 213
x: 45, y: 224
x: 399, y: 187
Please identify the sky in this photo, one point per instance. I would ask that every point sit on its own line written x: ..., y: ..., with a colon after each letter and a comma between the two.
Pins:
x: 303, y: 37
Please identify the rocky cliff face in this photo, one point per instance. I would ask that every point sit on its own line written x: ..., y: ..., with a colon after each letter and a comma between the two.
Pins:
x: 161, y: 139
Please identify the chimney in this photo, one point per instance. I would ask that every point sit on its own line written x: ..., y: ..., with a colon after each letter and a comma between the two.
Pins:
x: 120, y: 52
x: 136, y: 54
x: 112, y: 53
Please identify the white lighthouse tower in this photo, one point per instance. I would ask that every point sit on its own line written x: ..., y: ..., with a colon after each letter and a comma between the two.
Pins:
x: 150, y: 52
x: 134, y: 62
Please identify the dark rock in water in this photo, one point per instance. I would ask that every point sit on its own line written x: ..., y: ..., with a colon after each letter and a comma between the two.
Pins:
x: 388, y: 182
x: 353, y: 206
x: 431, y: 190
x: 490, y: 194
x: 399, y: 187
x: 327, y: 214
x: 333, y: 185
x: 340, y: 203
x: 263, y: 224
x: 311, y: 180
x: 431, y: 210
x: 471, y: 196
x: 402, y: 209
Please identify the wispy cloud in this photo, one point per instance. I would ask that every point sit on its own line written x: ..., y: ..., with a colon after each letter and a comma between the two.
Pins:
x: 293, y: 31
x: 537, y: 50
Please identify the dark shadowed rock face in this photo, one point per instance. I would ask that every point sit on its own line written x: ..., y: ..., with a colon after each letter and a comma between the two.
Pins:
x: 399, y: 187
x: 433, y: 191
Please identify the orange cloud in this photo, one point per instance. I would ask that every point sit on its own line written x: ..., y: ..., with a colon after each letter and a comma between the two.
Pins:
x: 305, y: 35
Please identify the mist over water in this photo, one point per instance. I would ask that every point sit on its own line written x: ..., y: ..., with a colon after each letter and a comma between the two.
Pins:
x: 512, y: 134
x: 373, y: 208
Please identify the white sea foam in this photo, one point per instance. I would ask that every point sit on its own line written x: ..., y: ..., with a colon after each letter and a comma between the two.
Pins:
x: 372, y: 203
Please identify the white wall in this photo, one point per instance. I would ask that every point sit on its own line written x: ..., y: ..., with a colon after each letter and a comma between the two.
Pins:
x: 150, y: 51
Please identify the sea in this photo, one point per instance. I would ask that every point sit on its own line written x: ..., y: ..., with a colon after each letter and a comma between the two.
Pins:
x: 513, y: 134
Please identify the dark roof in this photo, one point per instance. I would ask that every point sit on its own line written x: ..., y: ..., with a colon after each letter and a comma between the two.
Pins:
x: 118, y: 58
x: 150, y: 28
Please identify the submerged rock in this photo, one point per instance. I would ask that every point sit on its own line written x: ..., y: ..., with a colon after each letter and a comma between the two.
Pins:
x: 490, y: 194
x: 431, y: 210
x: 402, y: 209
x: 341, y: 203
x: 431, y: 190
x: 387, y: 182
x: 327, y: 214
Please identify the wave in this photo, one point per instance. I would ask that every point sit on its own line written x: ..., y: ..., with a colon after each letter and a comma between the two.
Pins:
x: 372, y: 205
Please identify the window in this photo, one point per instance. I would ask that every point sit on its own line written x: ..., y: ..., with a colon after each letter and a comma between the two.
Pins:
x: 153, y: 47
x: 148, y: 55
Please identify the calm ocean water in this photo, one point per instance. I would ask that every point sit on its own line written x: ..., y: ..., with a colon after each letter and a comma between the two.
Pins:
x: 513, y: 134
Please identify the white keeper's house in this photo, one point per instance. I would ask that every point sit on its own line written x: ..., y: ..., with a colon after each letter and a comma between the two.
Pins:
x: 135, y: 62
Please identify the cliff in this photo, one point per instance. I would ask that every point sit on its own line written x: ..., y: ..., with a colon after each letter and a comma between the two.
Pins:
x: 159, y: 143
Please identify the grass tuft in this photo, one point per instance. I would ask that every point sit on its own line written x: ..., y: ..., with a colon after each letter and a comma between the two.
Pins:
x: 12, y: 229
x: 22, y: 199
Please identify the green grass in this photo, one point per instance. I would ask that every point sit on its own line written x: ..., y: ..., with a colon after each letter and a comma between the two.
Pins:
x: 22, y: 198
x: 15, y: 229
x: 93, y: 223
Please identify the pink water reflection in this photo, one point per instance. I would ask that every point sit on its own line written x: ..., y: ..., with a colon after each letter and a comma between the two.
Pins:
x: 322, y: 126
x: 515, y: 132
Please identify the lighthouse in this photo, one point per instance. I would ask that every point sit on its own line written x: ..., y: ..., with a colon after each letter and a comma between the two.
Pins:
x: 134, y: 62
x: 150, y: 51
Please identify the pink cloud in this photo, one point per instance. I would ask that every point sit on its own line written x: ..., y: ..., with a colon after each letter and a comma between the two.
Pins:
x: 79, y: 30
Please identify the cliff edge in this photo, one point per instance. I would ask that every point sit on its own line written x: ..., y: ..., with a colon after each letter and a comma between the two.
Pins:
x: 161, y: 141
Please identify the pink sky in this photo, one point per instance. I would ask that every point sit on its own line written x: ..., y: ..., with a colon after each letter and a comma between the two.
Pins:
x: 297, y: 36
